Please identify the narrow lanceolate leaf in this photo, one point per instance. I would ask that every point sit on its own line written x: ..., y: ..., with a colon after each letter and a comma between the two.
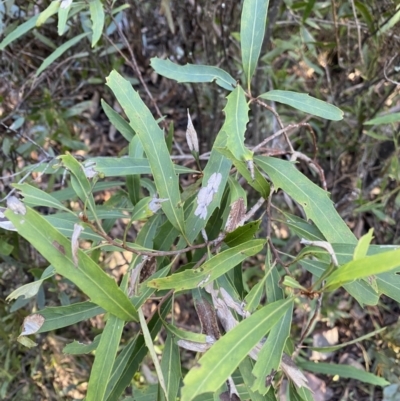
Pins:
x: 252, y: 30
x: 210, y: 270
x: 48, y: 12
x: 226, y: 354
x: 118, y: 122
x: 217, y: 164
x: 236, y: 119
x: 123, y: 166
x: 360, y: 268
x: 88, y: 276
x: 79, y: 182
x: 36, y: 197
x: 104, y: 358
x: 97, y: 17
x: 315, y: 201
x: 63, y: 12
x: 63, y: 316
x: 61, y: 50
x: 19, y: 31
x: 153, y: 141
x: 344, y: 371
x: 171, y: 367
x: 386, y: 119
x: 270, y: 355
x: 193, y: 73
x: 306, y: 103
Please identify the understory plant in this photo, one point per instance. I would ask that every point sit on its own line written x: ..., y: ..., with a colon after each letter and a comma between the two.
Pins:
x: 197, y: 230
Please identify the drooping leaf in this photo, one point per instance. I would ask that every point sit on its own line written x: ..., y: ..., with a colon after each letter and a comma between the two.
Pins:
x: 315, y: 201
x: 252, y: 30
x: 306, y: 103
x: 226, y: 354
x: 61, y: 50
x: 36, y: 197
x: 193, y: 73
x: 344, y: 371
x: 97, y: 16
x: 152, y: 138
x: 386, y: 119
x: 210, y: 270
x: 89, y: 276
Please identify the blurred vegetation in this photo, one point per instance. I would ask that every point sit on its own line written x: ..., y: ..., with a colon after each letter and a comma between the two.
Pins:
x: 345, y: 52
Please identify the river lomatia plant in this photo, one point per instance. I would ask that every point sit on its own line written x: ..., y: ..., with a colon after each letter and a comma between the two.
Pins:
x: 198, y: 229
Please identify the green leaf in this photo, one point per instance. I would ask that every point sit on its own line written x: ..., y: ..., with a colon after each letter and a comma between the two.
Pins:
x: 152, y: 138
x: 242, y: 234
x: 252, y: 30
x: 88, y: 276
x: 386, y: 119
x: 333, y: 348
x: 273, y: 290
x: 193, y: 73
x: 63, y: 316
x: 361, y: 249
x: 186, y: 335
x: 150, y: 346
x: 171, y: 367
x: 19, y: 31
x: 48, y: 12
x: 306, y: 103
x: 344, y: 371
x: 259, y: 183
x: 77, y: 348
x: 62, y: 19
x: 123, y: 166
x: 253, y: 298
x: 36, y: 197
x: 118, y: 122
x: 31, y: 289
x: 217, y: 164
x: 245, y: 368
x: 225, y: 355
x: 302, y: 228
x: 103, y: 361
x: 236, y: 119
x: 360, y: 268
x: 270, y: 355
x: 131, y: 356
x: 97, y: 17
x: 315, y: 201
x: 210, y: 270
x: 292, y: 283
x: 61, y: 50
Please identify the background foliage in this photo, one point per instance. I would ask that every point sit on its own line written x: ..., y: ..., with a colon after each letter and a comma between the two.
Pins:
x: 54, y: 100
